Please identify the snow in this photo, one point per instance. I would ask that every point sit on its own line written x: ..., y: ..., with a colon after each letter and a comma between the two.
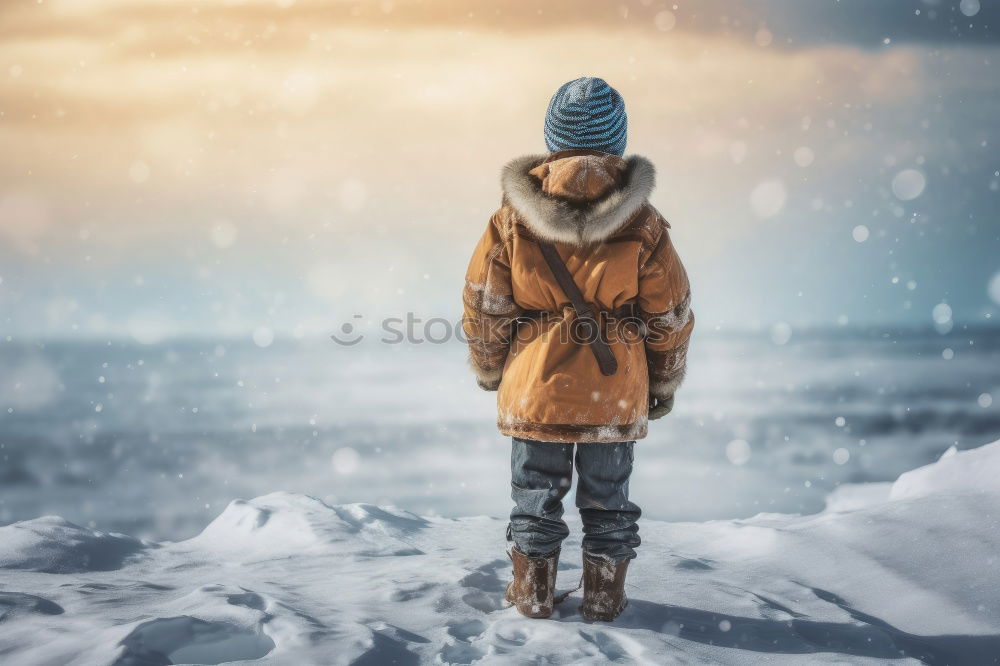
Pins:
x: 148, y: 327
x: 781, y: 333
x: 768, y: 198
x: 53, y: 545
x: 852, y: 496
x: 665, y: 20
x: 224, y: 234
x: 738, y: 451
x: 263, y: 336
x: 903, y: 573
x: 969, y: 7
x: 941, y: 313
x: 353, y: 194
x: 763, y: 37
x: 993, y: 288
x: 804, y: 156
x: 138, y: 172
x: 738, y: 151
x: 967, y: 472
x: 908, y: 184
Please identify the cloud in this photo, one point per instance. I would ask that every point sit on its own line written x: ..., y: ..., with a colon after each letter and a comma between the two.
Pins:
x: 257, y: 23
x: 61, y: 17
x: 327, y: 133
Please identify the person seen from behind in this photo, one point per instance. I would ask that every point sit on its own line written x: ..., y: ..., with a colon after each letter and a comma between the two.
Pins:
x: 574, y: 259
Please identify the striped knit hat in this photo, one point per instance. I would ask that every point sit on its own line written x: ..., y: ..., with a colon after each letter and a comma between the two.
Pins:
x: 586, y: 113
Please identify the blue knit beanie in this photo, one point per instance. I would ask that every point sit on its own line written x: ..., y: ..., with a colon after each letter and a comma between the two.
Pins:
x: 586, y: 113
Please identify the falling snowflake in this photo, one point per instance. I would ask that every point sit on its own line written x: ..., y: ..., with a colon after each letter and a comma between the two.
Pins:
x: 223, y: 234
x: 738, y: 451
x: 969, y: 7
x: 994, y: 288
x: 263, y: 336
x: 803, y: 156
x: 345, y: 460
x: 781, y: 333
x: 665, y: 21
x: 908, y: 184
x: 353, y: 194
x: 941, y: 313
x: 768, y: 198
x: 138, y: 172
x: 150, y: 327
x: 738, y: 151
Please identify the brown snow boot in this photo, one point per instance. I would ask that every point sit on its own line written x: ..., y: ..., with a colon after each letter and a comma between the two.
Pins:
x: 534, y: 585
x: 603, y: 588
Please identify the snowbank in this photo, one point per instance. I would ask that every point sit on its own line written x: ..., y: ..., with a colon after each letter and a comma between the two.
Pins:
x: 287, y: 524
x: 52, y: 545
x: 287, y: 579
x: 973, y: 471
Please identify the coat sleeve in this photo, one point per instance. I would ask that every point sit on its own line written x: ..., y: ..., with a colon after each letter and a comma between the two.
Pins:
x: 489, y: 308
x: 665, y: 309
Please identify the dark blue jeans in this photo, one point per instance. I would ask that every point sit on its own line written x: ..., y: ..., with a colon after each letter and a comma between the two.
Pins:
x: 541, y: 474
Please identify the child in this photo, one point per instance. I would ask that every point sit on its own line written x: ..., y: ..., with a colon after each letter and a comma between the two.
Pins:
x: 573, y: 254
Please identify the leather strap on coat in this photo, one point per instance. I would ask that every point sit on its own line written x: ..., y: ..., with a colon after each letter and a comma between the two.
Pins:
x: 585, y: 315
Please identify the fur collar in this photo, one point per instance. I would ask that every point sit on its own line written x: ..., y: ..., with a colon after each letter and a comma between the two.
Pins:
x: 561, y: 221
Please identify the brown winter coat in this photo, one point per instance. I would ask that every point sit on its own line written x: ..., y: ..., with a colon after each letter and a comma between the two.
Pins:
x: 593, y: 206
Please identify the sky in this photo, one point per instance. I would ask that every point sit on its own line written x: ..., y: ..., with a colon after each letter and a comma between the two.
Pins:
x: 223, y: 168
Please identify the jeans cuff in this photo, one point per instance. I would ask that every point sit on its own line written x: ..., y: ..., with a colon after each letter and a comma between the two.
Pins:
x: 608, y: 557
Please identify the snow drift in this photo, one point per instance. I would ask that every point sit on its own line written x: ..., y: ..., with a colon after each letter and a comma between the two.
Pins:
x: 906, y: 573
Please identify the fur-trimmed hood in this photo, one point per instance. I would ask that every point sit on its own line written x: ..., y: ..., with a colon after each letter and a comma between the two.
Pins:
x: 569, y: 220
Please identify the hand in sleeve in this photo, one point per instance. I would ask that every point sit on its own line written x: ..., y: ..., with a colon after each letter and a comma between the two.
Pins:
x: 665, y: 308
x: 489, y: 307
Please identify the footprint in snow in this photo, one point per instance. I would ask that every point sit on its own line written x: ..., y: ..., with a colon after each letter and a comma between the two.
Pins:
x: 460, y: 650
x: 465, y: 630
x: 17, y: 603
x: 189, y: 640
x: 389, y: 646
x: 460, y: 653
x: 485, y: 589
x: 411, y: 592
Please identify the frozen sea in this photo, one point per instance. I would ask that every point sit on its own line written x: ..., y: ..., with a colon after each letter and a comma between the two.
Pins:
x: 154, y: 441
